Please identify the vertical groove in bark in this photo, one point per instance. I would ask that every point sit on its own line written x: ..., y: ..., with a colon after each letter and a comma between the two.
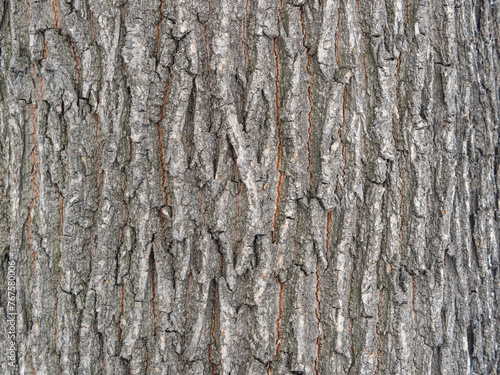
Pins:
x: 160, y: 142
x: 278, y: 134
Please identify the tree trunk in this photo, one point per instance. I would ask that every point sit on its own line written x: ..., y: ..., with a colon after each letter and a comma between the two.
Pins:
x: 249, y: 187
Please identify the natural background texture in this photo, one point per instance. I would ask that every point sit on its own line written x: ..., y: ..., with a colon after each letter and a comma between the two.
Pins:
x: 251, y: 186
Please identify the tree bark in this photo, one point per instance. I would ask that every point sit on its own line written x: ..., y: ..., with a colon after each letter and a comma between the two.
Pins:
x: 250, y: 187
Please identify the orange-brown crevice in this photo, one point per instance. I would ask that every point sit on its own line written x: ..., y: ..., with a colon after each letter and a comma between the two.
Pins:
x: 56, y: 12
x: 157, y: 41
x: 393, y: 129
x: 45, y: 47
x: 214, y: 324
x: 278, y: 133
x: 127, y: 367
x: 309, y: 97
x: 398, y: 64
x: 356, y: 11
x: 92, y: 28
x: 160, y: 146
x: 40, y: 78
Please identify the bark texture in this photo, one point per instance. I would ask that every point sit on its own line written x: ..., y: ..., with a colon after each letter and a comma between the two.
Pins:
x: 251, y: 186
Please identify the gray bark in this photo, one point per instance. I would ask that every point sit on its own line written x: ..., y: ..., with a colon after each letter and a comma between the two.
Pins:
x: 250, y: 187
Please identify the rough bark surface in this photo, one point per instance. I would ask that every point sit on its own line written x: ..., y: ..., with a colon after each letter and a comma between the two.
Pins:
x: 251, y: 186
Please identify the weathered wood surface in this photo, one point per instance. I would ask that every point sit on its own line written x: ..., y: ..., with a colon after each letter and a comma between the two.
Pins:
x: 251, y: 186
